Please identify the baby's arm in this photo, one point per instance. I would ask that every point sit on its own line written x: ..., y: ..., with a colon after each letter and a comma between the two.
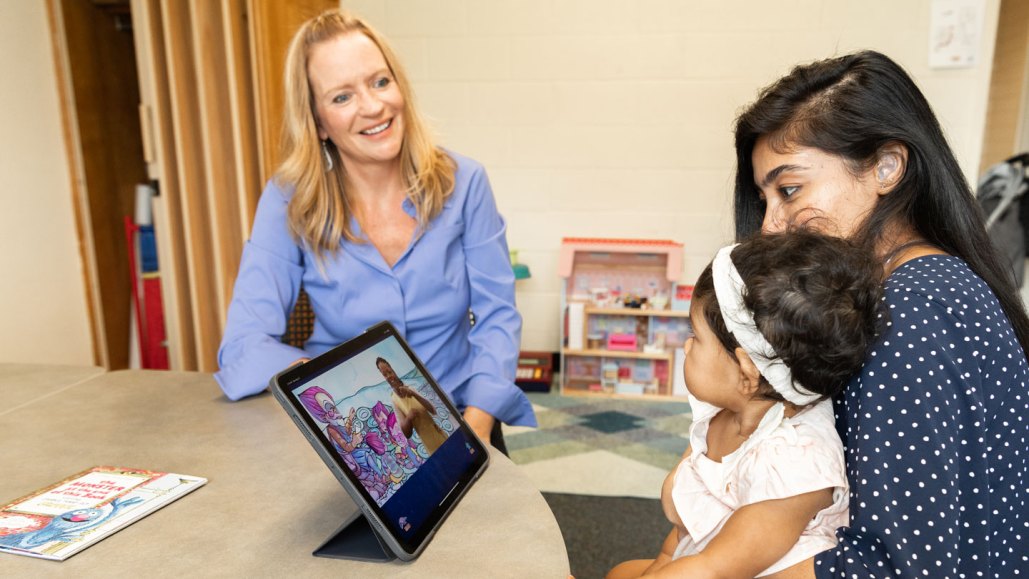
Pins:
x: 667, y: 550
x: 638, y: 567
x: 754, y: 537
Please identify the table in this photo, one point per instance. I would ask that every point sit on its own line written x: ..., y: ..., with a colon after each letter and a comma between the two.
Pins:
x: 23, y: 383
x: 269, y: 500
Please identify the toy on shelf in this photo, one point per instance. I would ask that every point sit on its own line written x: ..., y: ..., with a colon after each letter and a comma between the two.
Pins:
x: 622, y: 342
x: 535, y: 371
x: 618, y: 269
x: 682, y: 297
x: 521, y: 270
x: 618, y: 335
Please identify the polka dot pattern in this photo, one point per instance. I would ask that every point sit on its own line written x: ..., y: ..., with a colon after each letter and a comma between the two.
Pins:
x: 936, y: 431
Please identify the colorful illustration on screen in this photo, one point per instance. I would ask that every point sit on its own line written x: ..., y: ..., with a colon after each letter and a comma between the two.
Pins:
x: 381, y: 416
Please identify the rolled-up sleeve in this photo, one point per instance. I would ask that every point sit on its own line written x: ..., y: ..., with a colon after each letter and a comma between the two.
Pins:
x: 496, y: 336
x: 266, y: 289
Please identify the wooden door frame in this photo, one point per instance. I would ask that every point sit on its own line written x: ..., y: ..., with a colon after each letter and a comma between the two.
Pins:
x: 208, y: 220
x: 72, y: 150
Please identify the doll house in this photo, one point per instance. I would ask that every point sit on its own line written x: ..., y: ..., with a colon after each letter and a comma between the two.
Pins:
x: 619, y: 336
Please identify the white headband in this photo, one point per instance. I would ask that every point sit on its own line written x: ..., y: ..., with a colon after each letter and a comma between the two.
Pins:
x: 729, y: 288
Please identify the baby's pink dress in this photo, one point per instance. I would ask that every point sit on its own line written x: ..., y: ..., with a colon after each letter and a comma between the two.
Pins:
x: 784, y: 457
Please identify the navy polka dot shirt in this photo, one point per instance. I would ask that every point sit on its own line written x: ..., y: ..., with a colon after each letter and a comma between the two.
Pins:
x: 936, y: 431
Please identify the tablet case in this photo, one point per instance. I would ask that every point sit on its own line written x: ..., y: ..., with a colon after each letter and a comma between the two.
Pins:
x: 356, y: 539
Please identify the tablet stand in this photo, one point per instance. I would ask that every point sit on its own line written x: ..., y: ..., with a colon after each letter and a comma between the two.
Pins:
x: 356, y: 539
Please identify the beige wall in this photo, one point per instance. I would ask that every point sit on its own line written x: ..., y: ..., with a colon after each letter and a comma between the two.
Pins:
x: 612, y: 118
x: 593, y: 117
x: 42, y: 293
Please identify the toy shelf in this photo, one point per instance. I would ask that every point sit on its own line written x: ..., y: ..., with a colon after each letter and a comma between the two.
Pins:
x: 610, y: 350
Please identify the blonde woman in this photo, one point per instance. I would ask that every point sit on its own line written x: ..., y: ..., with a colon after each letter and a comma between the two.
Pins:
x: 376, y: 223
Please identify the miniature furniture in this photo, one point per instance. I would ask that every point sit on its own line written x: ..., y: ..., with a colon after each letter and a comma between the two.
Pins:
x: 269, y: 501
x: 618, y: 337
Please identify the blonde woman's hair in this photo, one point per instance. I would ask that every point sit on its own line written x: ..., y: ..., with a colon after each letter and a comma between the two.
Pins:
x: 317, y: 213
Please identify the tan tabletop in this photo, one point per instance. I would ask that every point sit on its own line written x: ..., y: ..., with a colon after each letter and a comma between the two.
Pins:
x: 22, y: 383
x: 269, y: 500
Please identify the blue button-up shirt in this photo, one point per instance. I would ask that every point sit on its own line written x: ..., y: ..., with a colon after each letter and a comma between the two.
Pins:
x: 459, y: 261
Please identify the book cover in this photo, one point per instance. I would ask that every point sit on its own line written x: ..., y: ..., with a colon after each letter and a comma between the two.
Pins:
x: 59, y: 520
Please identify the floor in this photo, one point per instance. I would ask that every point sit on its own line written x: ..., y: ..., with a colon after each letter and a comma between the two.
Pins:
x: 601, y: 532
x: 601, y: 446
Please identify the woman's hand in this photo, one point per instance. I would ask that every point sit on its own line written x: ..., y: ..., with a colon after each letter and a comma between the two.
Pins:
x: 480, y: 421
x: 405, y: 391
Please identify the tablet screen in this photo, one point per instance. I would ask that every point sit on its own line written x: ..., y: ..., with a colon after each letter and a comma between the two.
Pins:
x: 391, y: 429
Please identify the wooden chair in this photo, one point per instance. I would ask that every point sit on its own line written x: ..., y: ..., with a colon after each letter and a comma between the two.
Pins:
x: 300, y: 323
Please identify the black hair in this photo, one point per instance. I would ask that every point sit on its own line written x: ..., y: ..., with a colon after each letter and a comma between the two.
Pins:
x: 814, y: 297
x: 381, y: 360
x: 853, y: 107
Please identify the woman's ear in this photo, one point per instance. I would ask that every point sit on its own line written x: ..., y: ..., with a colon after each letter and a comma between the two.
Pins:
x: 322, y: 133
x: 750, y: 376
x: 890, y: 166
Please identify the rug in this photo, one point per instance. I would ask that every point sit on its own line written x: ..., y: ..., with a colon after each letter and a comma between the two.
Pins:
x: 601, y: 532
x: 601, y: 446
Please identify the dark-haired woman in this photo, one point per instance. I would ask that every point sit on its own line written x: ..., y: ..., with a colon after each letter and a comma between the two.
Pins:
x: 936, y: 425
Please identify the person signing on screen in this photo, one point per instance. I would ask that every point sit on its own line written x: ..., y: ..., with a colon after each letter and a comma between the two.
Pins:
x: 414, y: 412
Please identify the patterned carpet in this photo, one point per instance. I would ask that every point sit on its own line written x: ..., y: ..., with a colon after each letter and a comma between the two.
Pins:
x: 601, y: 446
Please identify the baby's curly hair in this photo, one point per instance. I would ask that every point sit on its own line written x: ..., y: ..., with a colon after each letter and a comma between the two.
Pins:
x: 815, y: 298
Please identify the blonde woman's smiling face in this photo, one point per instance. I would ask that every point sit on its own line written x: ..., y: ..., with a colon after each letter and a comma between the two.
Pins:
x: 358, y: 105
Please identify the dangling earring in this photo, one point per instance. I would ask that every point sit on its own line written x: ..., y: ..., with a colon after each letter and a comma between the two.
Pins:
x: 328, y: 157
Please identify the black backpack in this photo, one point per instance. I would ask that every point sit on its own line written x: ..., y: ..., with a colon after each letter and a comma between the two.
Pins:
x: 1007, y: 219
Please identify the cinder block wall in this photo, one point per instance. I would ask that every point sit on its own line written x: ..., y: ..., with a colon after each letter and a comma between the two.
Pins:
x: 613, y: 118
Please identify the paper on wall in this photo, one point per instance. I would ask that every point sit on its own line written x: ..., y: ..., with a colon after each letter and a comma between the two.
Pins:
x: 955, y: 31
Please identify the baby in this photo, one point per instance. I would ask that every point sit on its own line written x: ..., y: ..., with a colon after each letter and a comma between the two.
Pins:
x: 780, y: 324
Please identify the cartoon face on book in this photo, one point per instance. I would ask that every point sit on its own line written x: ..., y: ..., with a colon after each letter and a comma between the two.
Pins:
x: 61, y: 519
x: 67, y: 527
x: 356, y: 407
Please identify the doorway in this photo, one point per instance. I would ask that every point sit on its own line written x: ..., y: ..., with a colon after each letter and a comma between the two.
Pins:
x: 99, y: 90
x: 208, y: 90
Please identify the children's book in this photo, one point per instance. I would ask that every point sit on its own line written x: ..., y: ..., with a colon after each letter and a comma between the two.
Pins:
x: 64, y: 518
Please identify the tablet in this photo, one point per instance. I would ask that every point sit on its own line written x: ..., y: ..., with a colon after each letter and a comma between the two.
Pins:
x: 387, y: 432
